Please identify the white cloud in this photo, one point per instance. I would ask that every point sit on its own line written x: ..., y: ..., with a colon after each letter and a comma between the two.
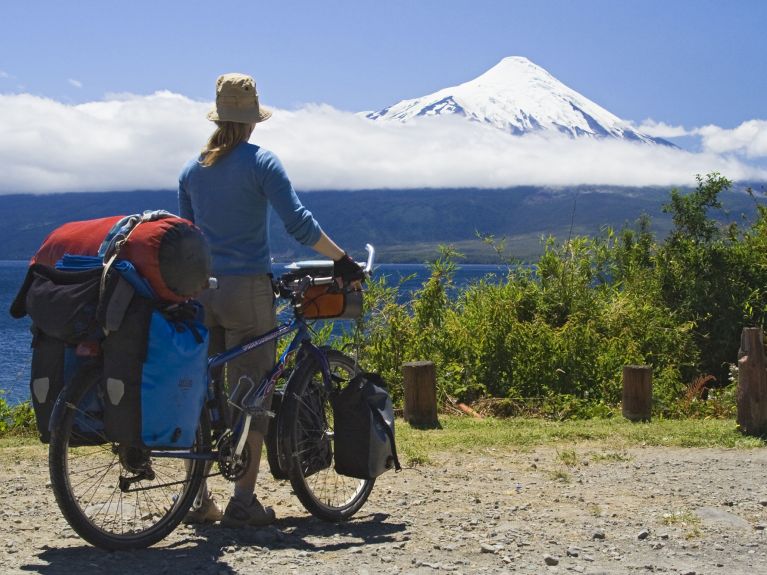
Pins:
x: 662, y: 130
x: 750, y: 139
x: 4, y: 74
x: 75, y: 83
x: 133, y: 142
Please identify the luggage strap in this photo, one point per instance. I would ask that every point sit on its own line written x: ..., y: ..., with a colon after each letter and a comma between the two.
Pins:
x: 118, y: 236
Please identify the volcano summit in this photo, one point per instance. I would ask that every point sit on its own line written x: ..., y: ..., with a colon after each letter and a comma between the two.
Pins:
x: 519, y: 97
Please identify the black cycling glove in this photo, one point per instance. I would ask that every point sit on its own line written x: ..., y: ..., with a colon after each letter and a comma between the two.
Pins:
x: 347, y: 269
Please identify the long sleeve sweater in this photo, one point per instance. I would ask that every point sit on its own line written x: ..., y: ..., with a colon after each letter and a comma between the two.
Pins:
x: 230, y: 201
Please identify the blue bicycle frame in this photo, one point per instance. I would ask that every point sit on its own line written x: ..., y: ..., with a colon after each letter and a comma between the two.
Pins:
x: 217, y: 395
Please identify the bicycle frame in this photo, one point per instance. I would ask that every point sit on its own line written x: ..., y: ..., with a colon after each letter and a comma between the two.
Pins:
x: 217, y: 398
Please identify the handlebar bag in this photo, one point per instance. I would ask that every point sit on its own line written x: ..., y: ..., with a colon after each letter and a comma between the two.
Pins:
x: 154, y: 377
x: 328, y: 302
x: 363, y: 418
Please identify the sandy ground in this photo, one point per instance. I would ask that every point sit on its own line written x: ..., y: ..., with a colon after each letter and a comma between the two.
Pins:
x: 644, y: 510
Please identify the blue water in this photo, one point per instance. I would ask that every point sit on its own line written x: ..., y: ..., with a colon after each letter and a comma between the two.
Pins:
x: 15, y: 337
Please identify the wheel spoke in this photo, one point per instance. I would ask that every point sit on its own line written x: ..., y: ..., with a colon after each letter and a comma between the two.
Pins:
x: 308, y: 431
x: 116, y: 496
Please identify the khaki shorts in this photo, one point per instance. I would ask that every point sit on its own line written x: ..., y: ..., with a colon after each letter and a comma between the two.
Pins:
x: 241, y: 308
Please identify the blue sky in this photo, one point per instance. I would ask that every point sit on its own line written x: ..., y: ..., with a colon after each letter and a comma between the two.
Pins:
x: 683, y: 63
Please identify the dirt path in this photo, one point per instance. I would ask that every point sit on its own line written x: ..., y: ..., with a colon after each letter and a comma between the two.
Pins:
x: 644, y: 510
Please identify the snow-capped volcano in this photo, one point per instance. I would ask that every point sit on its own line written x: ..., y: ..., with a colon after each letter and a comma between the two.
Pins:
x: 519, y: 97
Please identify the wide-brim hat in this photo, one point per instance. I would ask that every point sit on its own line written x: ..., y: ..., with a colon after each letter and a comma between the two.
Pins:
x: 237, y: 101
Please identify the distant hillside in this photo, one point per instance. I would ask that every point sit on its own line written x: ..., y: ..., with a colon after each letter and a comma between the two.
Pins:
x: 404, y: 225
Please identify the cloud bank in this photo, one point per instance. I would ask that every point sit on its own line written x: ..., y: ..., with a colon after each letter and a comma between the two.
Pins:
x: 128, y: 142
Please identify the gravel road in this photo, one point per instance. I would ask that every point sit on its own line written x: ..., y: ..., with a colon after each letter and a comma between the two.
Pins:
x: 575, y: 509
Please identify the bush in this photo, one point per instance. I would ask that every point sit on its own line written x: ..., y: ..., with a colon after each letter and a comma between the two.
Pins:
x: 562, y: 328
x: 16, y: 419
x: 556, y: 334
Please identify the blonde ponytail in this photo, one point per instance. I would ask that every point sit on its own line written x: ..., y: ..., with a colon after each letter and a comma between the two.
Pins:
x: 223, y: 140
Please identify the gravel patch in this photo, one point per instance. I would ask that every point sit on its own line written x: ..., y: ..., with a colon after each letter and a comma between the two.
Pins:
x: 646, y: 510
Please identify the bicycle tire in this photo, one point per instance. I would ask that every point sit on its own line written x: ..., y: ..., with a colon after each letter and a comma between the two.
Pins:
x: 100, y: 512
x: 306, y: 434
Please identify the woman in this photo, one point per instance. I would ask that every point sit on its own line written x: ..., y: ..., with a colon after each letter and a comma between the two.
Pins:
x: 227, y: 191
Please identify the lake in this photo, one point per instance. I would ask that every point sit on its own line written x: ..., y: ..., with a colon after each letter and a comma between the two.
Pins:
x: 15, y: 337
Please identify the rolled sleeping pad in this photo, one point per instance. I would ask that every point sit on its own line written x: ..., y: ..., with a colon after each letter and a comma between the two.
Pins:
x: 170, y: 252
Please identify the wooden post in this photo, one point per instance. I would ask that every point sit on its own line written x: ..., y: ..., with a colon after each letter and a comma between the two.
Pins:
x: 420, y: 407
x: 752, y: 382
x: 637, y: 392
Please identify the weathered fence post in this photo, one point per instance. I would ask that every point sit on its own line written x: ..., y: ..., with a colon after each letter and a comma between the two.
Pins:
x: 752, y: 382
x: 637, y: 392
x: 420, y: 378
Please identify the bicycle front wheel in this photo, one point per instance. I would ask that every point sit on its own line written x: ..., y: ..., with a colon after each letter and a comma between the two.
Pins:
x: 116, y: 496
x: 307, y: 440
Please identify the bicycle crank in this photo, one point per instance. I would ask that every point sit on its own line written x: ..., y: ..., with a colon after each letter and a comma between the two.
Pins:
x: 231, y: 465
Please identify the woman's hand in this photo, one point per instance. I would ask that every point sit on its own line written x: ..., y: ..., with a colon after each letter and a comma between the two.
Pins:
x: 348, y: 272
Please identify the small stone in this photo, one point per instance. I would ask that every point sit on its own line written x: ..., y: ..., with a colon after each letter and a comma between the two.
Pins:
x: 598, y: 534
x: 760, y: 526
x: 573, y: 552
x: 550, y: 560
x: 487, y: 548
x: 643, y: 534
x: 763, y: 502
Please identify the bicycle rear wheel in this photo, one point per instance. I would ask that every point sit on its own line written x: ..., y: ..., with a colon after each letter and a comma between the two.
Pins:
x: 307, y: 440
x: 116, y: 496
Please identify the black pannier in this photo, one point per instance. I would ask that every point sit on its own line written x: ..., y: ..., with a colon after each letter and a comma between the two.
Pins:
x: 363, y: 419
x: 62, y: 304
x: 63, y: 307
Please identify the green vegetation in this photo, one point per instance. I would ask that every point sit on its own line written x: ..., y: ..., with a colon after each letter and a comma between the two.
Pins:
x: 685, y: 519
x: 604, y: 440
x: 17, y: 420
x: 552, y: 338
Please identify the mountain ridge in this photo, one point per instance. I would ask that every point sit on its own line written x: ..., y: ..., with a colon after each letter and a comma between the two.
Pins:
x: 404, y: 225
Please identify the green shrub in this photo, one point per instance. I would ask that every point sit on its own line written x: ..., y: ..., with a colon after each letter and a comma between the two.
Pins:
x: 555, y: 335
x: 16, y: 419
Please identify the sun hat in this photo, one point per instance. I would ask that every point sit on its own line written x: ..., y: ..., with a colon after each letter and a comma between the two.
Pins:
x: 237, y: 101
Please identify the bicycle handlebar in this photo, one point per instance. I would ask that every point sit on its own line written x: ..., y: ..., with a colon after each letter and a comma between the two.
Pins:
x: 296, y: 283
x: 313, y: 281
x: 371, y: 256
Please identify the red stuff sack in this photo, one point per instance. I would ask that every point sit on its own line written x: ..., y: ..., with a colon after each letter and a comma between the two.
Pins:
x: 169, y: 252
x: 76, y: 238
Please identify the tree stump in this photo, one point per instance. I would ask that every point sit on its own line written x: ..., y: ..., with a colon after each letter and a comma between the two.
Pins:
x: 752, y: 383
x: 420, y: 409
x: 637, y: 392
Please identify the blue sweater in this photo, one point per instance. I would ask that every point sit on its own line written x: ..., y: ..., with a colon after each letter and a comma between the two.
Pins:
x: 230, y: 200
